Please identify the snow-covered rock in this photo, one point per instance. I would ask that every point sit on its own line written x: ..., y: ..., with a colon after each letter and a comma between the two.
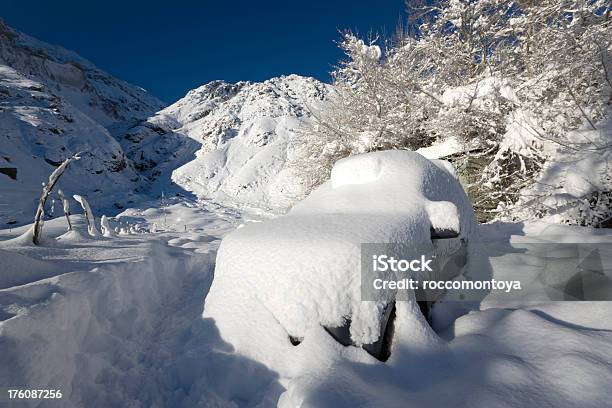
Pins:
x: 288, y: 276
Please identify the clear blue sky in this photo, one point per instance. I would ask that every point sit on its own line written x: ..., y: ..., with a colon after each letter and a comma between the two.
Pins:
x: 173, y: 46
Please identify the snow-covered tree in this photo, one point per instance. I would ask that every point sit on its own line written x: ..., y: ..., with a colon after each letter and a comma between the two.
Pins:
x: 510, y: 80
x: 356, y: 115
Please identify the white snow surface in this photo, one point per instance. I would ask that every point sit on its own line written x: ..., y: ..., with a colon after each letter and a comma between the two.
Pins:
x: 102, y: 97
x: 443, y: 149
x: 118, y: 322
x: 292, y: 274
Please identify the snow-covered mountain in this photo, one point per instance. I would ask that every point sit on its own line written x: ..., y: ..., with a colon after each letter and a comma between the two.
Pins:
x: 102, y: 97
x: 54, y: 103
x: 240, y: 134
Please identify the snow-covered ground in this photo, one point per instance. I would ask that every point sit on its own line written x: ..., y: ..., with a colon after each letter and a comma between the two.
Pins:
x: 118, y: 322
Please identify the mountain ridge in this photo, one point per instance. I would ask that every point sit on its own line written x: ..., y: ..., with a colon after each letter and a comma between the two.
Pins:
x: 243, y: 132
x: 228, y: 142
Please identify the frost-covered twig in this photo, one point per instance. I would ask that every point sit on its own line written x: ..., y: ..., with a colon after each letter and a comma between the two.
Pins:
x: 66, y: 207
x: 105, y: 227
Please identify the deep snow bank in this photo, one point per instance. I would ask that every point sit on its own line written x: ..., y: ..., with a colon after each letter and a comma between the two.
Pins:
x: 130, y: 332
x: 120, y: 324
x: 80, y: 332
x: 289, y: 275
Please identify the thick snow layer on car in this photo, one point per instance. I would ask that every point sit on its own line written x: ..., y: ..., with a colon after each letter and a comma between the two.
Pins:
x: 520, y: 354
x: 290, y: 275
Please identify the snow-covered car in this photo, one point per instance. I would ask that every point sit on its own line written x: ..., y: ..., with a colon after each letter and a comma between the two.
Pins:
x: 283, y: 286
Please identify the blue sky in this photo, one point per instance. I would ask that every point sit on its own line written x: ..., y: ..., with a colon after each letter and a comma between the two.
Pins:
x: 172, y: 46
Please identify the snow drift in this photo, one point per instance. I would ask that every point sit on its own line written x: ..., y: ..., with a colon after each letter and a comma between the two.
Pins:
x: 115, y: 322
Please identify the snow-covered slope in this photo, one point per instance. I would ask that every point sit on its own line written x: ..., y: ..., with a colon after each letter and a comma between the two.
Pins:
x: 241, y: 132
x: 104, y: 98
x: 53, y: 104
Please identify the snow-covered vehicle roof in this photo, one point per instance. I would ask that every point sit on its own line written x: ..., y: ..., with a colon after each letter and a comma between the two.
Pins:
x: 285, y: 277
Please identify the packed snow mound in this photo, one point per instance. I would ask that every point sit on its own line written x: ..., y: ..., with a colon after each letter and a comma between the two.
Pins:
x: 54, y: 104
x: 239, y: 133
x: 290, y: 275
